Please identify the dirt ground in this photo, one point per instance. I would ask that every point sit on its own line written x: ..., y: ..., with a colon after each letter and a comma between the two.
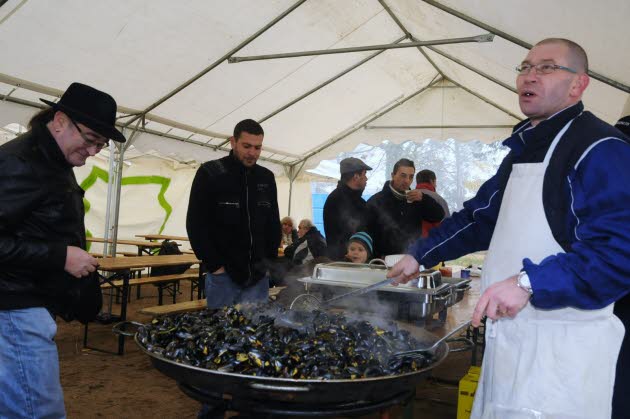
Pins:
x: 103, y: 385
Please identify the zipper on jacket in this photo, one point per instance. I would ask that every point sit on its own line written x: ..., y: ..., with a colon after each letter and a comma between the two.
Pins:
x: 249, y: 223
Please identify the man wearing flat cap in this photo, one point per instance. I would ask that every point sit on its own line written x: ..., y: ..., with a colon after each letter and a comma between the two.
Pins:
x: 345, y: 212
x: 44, y: 268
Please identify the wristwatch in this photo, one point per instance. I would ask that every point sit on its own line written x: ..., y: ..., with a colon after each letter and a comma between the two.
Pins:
x: 522, y: 281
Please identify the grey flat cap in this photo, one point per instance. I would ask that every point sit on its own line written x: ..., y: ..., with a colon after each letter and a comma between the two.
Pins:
x: 351, y: 165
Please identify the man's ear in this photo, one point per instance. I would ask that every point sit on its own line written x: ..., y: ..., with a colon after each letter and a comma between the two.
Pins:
x: 232, y: 142
x: 580, y: 84
x: 60, y: 121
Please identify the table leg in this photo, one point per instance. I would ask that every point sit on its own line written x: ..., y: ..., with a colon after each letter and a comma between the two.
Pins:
x: 123, y: 310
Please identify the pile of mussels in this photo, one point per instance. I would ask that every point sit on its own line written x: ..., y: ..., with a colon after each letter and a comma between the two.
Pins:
x: 231, y: 340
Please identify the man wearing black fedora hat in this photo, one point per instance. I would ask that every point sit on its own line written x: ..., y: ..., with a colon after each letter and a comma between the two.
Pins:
x: 44, y: 268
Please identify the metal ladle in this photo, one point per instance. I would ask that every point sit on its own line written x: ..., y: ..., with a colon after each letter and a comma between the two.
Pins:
x: 418, y: 351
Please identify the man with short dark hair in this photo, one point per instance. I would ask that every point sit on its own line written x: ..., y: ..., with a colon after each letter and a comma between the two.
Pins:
x: 345, y: 211
x: 44, y: 268
x: 396, y: 212
x: 426, y: 181
x: 555, y: 220
x: 233, y: 220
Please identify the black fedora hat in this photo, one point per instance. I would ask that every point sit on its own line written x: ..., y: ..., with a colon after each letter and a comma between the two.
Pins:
x: 93, y: 108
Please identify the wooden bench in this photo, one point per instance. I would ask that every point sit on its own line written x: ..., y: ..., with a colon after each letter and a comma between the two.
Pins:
x: 160, y: 281
x: 100, y: 255
x: 194, y: 305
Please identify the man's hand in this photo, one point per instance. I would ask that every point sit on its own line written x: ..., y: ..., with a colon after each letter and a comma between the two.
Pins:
x: 79, y: 263
x: 219, y: 271
x: 414, y: 195
x: 405, y: 270
x: 501, y: 299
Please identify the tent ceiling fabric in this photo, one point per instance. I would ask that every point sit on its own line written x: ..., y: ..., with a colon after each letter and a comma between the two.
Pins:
x: 142, y: 50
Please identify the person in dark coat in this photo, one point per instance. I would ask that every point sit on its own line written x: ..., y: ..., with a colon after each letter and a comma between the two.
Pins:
x: 345, y: 212
x: 396, y: 213
x: 233, y: 220
x: 309, y: 246
x: 44, y: 267
x: 426, y: 181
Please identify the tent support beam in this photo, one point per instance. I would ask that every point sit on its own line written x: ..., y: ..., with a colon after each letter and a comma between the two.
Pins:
x: 437, y: 68
x: 49, y: 91
x: 334, y: 140
x: 217, y: 62
x: 325, y: 83
x: 478, y: 38
x: 488, y: 101
x: 473, y: 69
x: 437, y: 51
x: 409, y: 36
x: 161, y: 134
x: 292, y: 173
x: 519, y: 42
x: 320, y: 86
x: 434, y: 126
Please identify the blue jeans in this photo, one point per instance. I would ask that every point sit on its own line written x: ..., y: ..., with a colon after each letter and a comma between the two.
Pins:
x: 29, y: 365
x: 222, y: 291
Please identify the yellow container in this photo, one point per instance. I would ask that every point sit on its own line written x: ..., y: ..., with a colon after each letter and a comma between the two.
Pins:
x: 467, y: 389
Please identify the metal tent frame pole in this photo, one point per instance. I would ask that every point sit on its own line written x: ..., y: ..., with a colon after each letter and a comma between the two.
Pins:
x: 519, y: 42
x: 477, y: 39
x: 217, y: 62
x: 292, y: 173
x: 355, y: 128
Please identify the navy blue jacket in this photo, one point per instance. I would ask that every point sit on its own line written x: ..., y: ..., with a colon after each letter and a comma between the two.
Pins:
x: 587, y: 204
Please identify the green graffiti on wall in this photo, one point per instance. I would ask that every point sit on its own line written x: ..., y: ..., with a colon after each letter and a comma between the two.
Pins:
x: 164, y: 182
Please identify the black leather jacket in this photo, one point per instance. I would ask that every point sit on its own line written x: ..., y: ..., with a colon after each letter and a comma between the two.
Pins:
x: 233, y: 219
x: 41, y: 213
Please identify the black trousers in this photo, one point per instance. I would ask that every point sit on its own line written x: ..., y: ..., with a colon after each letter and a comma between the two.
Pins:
x: 621, y: 395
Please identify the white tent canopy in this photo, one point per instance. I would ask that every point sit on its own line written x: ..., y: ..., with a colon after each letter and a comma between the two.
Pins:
x: 166, y: 64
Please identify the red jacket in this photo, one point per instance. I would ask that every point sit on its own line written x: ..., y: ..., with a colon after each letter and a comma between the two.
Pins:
x: 427, y: 225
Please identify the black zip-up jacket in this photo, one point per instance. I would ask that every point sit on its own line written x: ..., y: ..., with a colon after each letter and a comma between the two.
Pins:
x: 345, y: 213
x: 394, y: 224
x: 41, y: 213
x: 312, y: 242
x: 233, y: 219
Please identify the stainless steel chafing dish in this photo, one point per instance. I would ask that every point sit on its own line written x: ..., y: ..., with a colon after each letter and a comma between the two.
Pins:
x: 418, y: 299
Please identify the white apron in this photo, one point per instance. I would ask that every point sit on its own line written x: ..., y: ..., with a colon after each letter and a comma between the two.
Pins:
x: 543, y: 363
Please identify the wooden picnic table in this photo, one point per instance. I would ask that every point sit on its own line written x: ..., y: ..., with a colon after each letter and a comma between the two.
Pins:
x: 162, y: 237
x: 120, y: 269
x: 143, y: 246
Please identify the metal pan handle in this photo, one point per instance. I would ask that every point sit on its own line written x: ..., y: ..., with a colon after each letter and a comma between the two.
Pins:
x: 119, y: 328
x: 271, y: 387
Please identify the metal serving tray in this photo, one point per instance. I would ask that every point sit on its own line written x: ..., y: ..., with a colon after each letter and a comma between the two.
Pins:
x: 357, y: 275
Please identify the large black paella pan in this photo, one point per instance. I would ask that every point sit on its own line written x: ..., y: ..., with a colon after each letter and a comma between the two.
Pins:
x: 247, y: 356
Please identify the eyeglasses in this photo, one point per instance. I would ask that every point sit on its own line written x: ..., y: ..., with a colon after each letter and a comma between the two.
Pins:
x: 543, y: 68
x: 88, y: 141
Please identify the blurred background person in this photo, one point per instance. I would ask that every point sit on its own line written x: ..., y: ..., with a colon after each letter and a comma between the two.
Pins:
x: 309, y: 245
x: 345, y: 211
x: 289, y: 233
x: 426, y: 181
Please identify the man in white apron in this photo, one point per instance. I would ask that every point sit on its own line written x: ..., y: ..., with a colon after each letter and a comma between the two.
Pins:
x: 556, y: 223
